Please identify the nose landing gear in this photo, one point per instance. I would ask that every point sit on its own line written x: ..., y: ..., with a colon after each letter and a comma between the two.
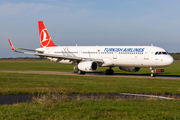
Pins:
x: 153, y: 74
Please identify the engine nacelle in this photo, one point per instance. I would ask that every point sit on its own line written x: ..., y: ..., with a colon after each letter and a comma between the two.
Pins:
x: 87, y: 66
x: 130, y: 69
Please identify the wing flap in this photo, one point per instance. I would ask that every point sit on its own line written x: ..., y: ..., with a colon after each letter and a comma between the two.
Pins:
x: 26, y: 49
x: 58, y: 56
x: 68, y: 57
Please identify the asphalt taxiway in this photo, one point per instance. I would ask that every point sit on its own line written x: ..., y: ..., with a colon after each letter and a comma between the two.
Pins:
x: 94, y: 74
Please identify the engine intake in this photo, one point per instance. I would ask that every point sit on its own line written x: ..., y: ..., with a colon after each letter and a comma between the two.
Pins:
x: 130, y: 69
x: 87, y: 66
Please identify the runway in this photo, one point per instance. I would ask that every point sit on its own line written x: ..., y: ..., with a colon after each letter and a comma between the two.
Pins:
x: 94, y: 74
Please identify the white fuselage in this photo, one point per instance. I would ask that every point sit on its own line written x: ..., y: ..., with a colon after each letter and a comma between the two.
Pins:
x: 128, y: 56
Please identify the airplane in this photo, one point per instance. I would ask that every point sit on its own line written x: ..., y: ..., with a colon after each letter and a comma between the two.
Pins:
x: 89, y: 58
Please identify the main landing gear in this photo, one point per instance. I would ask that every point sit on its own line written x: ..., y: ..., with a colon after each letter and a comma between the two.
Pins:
x: 109, y: 71
x: 81, y: 72
x: 153, y: 74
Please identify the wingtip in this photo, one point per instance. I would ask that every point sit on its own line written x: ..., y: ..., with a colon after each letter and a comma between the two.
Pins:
x: 12, y: 47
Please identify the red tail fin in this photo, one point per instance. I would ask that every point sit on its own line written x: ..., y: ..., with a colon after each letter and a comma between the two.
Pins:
x: 45, y: 38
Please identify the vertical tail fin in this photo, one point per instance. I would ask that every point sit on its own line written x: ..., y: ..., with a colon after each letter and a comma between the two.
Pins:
x: 45, y: 38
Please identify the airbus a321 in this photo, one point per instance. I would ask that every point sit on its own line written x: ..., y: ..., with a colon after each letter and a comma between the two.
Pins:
x: 89, y: 58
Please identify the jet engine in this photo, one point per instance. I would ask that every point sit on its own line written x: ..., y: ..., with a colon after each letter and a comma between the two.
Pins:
x: 87, y: 66
x: 130, y: 69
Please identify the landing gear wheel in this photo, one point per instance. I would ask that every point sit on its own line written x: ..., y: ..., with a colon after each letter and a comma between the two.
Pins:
x: 109, y: 72
x: 153, y: 75
x: 81, y: 72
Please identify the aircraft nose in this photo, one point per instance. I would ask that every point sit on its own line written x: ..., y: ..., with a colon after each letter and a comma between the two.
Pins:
x: 169, y: 60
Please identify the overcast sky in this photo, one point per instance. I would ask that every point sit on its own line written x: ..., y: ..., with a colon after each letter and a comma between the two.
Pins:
x: 90, y: 22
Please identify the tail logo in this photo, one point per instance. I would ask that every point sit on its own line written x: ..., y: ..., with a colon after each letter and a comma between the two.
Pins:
x: 45, y: 38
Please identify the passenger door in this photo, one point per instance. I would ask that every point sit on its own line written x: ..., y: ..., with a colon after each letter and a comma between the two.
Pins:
x: 146, y: 53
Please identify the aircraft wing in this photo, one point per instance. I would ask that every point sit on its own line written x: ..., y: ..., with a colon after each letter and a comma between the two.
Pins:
x: 27, y: 49
x: 67, y: 57
x: 60, y: 57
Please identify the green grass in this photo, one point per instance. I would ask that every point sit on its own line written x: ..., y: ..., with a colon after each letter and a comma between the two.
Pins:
x: 34, y: 65
x: 18, y: 83
x: 45, y: 65
x: 94, y: 109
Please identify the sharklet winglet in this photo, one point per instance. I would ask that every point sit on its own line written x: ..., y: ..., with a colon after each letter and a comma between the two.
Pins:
x: 12, y: 47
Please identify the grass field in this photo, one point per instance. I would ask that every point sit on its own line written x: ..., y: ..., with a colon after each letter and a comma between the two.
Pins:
x: 94, y: 109
x: 17, y: 83
x: 45, y: 65
x: 50, y: 108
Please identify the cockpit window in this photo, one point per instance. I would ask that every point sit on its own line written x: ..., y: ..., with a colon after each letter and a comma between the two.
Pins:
x: 161, y: 53
x: 164, y: 53
x: 167, y: 52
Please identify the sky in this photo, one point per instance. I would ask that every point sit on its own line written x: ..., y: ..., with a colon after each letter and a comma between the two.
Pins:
x: 89, y: 23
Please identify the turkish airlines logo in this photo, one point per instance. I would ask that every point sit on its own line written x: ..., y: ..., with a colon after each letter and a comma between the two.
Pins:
x: 45, y: 38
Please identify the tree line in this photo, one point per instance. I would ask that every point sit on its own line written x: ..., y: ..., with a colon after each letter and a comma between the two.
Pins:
x: 176, y: 56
